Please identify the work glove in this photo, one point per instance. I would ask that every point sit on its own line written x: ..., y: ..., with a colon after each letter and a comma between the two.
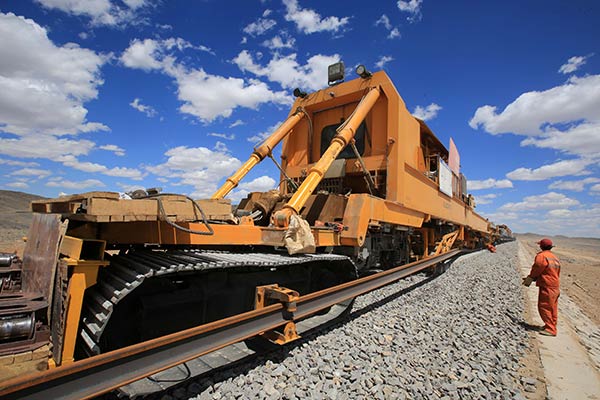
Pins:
x: 527, y: 281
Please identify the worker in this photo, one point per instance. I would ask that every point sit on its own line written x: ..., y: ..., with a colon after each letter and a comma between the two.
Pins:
x: 546, y: 272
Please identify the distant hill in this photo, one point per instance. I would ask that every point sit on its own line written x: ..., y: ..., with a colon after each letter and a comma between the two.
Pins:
x: 14, y: 209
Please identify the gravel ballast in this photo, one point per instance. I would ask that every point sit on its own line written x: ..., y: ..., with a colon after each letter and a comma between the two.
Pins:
x: 458, y: 335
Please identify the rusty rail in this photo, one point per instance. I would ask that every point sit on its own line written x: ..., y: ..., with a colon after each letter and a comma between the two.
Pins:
x: 100, y: 374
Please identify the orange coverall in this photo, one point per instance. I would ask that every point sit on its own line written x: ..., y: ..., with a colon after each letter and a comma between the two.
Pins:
x: 546, y: 272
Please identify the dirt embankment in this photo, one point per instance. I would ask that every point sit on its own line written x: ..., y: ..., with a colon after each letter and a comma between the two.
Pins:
x: 580, y: 269
x: 15, y: 219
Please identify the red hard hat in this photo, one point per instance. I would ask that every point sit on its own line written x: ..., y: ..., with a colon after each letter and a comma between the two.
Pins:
x: 545, y: 243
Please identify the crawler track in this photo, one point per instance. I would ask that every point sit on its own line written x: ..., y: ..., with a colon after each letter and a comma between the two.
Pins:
x: 102, y: 373
x: 128, y: 272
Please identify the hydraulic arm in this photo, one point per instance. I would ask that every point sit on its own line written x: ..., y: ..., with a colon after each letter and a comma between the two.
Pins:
x: 338, y: 143
x: 260, y: 152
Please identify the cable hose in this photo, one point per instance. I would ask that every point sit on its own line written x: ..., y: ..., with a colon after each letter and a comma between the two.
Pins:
x: 164, y: 217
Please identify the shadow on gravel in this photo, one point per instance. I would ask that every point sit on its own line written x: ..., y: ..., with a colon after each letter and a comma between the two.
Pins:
x: 523, y: 324
x: 274, y: 353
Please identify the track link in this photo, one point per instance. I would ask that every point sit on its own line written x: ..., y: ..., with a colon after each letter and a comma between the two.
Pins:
x: 127, y: 272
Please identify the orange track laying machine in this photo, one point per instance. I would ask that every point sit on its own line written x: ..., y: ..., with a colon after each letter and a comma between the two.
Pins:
x: 365, y: 186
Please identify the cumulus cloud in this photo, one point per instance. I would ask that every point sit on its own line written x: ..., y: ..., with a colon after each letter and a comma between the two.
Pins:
x: 86, y: 166
x: 195, y: 87
x: 198, y: 167
x: 258, y: 138
x: 309, y: 21
x: 260, y: 26
x: 576, y: 100
x: 581, y: 139
x: 427, y: 113
x: 486, y: 198
x: 384, y: 20
x: 383, y: 60
x: 489, y: 183
x: 557, y: 169
x: 100, y: 12
x: 43, y: 87
x: 576, y: 186
x: 44, y: 146
x: 573, y: 64
x: 286, y: 70
x: 412, y: 7
x: 114, y: 148
x: 547, y: 201
x: 280, y: 42
x: 260, y: 184
x: 17, y: 163
x: 145, y: 109
x: 77, y: 185
x: 18, y: 185
x: 40, y: 173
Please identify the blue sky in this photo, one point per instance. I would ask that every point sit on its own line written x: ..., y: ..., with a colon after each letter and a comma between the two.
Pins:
x: 120, y: 94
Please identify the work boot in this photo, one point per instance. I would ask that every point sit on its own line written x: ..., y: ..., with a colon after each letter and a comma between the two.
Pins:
x: 546, y: 333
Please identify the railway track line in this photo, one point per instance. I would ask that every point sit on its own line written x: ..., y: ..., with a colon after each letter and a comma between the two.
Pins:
x: 102, y: 373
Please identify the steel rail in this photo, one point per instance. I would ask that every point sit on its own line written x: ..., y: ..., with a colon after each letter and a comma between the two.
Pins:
x: 100, y: 374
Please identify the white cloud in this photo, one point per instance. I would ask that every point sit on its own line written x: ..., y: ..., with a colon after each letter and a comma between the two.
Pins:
x: 143, y: 54
x: 260, y: 26
x: 557, y: 169
x: 413, y: 7
x: 134, y: 4
x: 576, y: 186
x: 44, y: 146
x: 263, y: 135
x: 547, y: 201
x: 573, y: 64
x: 223, y: 135
x: 383, y: 60
x: 277, y: 42
x: 17, y: 163
x: 43, y: 86
x: 18, y: 185
x: 576, y: 100
x: 582, y: 139
x: 485, y: 199
x: 427, y: 113
x: 198, y: 167
x: 385, y: 21
x: 101, y: 12
x: 595, y: 188
x: 309, y: 21
x: 197, y: 88
x: 260, y: 184
x: 489, y: 184
x: 114, y: 148
x: 86, y: 166
x: 237, y: 122
x: 148, y: 110
x: 67, y: 184
x: 40, y: 173
x: 286, y: 70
